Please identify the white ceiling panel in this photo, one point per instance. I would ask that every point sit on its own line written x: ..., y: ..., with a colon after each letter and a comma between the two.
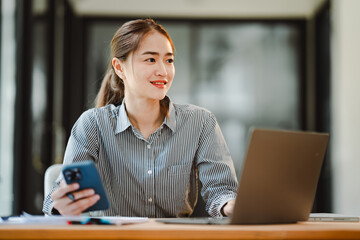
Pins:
x: 198, y: 8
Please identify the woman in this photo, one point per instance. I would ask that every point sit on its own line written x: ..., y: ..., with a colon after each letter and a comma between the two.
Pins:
x: 149, y: 151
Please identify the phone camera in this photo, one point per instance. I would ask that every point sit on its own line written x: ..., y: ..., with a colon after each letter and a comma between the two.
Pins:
x: 72, y: 175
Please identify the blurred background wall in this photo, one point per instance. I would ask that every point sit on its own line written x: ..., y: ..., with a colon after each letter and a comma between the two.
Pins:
x: 345, y: 98
x: 286, y: 64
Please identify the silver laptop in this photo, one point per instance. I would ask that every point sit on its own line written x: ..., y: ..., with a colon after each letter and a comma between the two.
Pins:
x: 278, y: 181
x: 333, y: 217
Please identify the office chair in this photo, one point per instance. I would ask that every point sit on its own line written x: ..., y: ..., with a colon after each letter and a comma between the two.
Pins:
x: 51, y: 174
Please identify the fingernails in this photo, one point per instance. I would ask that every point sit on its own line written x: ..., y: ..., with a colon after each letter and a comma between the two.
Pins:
x: 96, y: 197
x: 91, y: 191
x: 76, y: 185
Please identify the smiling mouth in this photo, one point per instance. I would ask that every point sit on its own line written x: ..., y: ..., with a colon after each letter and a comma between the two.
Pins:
x: 158, y: 83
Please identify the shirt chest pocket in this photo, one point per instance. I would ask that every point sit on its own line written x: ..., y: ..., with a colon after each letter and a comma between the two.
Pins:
x: 179, y: 169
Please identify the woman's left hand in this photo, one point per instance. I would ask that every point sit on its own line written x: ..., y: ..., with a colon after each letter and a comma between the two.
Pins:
x: 229, y: 208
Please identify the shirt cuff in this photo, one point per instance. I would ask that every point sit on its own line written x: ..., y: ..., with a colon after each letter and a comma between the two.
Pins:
x: 222, y: 210
x: 54, y: 212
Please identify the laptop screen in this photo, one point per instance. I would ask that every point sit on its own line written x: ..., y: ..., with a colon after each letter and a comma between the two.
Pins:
x: 279, y: 176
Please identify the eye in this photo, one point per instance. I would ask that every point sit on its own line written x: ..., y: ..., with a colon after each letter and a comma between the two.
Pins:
x: 150, y: 60
x: 170, y: 60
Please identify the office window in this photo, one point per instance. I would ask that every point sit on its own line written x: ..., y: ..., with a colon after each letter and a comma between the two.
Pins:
x: 247, y: 74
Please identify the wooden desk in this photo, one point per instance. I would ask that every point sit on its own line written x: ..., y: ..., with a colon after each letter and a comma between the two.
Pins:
x: 153, y: 230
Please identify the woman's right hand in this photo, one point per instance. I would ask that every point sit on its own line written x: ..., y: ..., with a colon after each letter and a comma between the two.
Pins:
x: 82, y: 199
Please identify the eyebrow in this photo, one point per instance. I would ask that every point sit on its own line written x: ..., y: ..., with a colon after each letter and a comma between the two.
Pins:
x: 156, y: 53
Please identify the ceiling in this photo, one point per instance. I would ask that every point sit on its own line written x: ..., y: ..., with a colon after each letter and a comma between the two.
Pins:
x: 224, y: 9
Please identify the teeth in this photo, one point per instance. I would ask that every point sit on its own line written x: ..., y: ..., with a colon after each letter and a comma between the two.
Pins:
x: 158, y: 83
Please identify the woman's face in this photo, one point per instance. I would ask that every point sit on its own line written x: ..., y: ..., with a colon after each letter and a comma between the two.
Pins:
x: 148, y: 72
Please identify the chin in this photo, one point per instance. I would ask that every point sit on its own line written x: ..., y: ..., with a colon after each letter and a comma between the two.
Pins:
x: 160, y: 97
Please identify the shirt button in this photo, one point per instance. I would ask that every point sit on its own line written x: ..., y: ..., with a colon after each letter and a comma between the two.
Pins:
x: 149, y: 172
x: 150, y: 200
x: 148, y: 146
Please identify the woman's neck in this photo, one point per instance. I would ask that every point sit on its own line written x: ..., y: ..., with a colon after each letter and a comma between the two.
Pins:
x: 145, y: 115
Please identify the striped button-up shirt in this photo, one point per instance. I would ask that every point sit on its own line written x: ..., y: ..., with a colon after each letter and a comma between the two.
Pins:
x: 155, y: 177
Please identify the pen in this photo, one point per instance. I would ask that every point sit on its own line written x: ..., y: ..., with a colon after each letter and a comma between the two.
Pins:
x: 5, y: 218
x: 74, y: 222
x: 91, y: 221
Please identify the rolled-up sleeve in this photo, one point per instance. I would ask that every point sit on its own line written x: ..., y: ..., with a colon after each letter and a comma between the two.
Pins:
x: 216, y: 168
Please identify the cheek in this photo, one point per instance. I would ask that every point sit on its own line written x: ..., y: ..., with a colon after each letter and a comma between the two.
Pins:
x: 171, y: 72
x: 141, y: 74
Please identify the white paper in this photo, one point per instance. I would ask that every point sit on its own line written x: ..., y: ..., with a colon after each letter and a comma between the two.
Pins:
x: 26, y: 218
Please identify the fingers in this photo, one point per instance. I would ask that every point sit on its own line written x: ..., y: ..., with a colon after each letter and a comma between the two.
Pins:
x: 82, y: 194
x: 65, y: 200
x: 81, y: 199
x: 64, y: 189
x: 77, y: 207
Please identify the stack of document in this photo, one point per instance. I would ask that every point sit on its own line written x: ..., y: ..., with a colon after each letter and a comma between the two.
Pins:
x: 65, y: 220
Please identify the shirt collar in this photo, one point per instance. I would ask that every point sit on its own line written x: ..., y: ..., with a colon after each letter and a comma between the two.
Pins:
x: 124, y: 123
x: 170, y: 120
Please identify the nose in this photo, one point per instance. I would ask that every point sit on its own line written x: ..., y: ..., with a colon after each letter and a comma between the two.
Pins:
x: 161, y: 69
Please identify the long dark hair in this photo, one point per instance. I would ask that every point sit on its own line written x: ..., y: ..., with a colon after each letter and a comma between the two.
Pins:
x: 126, y: 40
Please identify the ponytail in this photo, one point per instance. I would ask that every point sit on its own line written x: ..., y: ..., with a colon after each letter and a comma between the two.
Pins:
x: 111, y: 90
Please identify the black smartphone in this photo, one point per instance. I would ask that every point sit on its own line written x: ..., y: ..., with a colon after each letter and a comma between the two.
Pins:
x: 86, y: 174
